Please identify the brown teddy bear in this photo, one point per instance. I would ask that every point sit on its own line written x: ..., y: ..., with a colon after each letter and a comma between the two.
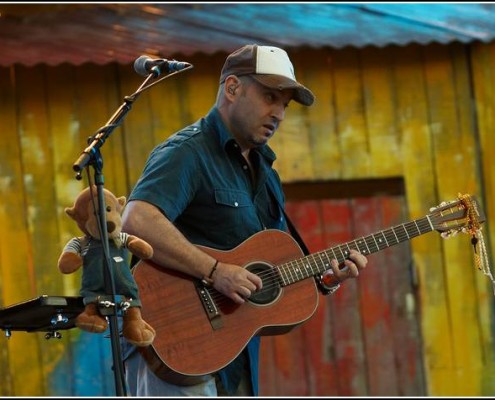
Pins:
x: 87, y: 251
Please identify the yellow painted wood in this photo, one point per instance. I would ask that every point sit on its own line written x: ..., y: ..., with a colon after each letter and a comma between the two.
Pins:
x: 42, y: 138
x: 453, y: 142
x: 136, y: 130
x: 293, y: 136
x: 61, y: 102
x: 168, y: 105
x: 24, y: 235
x: 320, y: 117
x: 66, y: 144
x: 483, y: 66
x: 379, y: 96
x: 412, y: 112
x: 200, y: 86
x: 483, y: 291
x: 13, y: 238
x: 349, y: 110
x: 98, y: 100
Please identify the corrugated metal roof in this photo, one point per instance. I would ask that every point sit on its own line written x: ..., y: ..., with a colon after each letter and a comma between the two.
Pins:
x: 54, y: 33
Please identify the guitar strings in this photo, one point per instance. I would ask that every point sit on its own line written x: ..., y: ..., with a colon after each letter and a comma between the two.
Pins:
x: 314, y: 264
x: 278, y: 276
x: 310, y: 266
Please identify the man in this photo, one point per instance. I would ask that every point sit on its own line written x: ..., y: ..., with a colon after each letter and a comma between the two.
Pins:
x: 212, y: 184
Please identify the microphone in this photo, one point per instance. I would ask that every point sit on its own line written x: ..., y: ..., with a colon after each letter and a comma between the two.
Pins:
x: 145, y: 65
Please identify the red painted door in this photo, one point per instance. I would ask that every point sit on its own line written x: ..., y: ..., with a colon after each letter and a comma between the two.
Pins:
x: 364, y: 340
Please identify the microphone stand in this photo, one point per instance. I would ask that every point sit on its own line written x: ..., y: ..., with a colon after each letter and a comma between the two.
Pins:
x: 92, y: 156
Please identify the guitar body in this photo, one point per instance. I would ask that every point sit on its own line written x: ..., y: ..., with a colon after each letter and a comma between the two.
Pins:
x: 191, y: 341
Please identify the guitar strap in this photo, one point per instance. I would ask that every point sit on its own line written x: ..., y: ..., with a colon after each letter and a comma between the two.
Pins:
x: 295, y: 233
x: 292, y: 228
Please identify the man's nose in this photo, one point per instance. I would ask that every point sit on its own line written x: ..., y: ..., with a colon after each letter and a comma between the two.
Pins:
x: 279, y: 112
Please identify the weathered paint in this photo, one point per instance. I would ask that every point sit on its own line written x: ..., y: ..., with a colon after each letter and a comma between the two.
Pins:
x: 389, y: 112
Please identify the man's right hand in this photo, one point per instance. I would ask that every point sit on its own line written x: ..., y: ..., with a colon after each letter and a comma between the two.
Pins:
x: 235, y: 282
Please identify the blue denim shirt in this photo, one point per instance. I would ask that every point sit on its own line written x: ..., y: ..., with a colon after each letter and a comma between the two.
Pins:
x: 201, y: 182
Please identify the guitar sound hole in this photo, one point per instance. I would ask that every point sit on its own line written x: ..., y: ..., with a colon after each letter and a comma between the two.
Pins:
x: 271, y: 287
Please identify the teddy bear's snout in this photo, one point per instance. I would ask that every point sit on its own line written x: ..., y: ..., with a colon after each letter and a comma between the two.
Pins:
x: 110, y: 226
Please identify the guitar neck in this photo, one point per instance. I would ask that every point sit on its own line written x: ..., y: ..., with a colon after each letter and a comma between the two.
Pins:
x: 318, y: 263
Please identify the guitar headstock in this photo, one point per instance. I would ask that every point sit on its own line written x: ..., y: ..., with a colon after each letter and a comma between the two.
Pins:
x: 463, y: 214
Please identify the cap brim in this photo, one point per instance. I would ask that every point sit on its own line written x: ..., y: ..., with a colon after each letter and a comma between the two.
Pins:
x: 301, y: 93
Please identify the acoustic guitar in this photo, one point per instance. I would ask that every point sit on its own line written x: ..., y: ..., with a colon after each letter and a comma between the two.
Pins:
x: 199, y: 331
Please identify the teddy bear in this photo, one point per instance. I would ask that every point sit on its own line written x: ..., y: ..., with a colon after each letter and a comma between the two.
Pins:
x: 87, y: 251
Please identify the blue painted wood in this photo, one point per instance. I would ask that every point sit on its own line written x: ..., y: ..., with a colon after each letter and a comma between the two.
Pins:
x: 85, y: 368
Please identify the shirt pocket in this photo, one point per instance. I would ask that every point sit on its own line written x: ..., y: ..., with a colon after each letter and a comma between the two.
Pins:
x: 235, y: 217
x: 232, y: 198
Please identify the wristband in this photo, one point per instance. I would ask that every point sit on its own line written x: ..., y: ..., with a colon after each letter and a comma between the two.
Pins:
x: 208, y: 280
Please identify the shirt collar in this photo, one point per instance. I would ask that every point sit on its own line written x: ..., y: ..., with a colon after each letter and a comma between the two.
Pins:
x: 214, y: 120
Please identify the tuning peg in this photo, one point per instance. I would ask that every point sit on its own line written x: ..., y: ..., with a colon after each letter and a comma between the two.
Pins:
x: 450, y: 233
x: 442, y: 204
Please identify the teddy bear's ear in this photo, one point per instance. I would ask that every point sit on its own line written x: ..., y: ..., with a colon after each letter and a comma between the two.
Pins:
x: 70, y: 212
x: 121, y: 200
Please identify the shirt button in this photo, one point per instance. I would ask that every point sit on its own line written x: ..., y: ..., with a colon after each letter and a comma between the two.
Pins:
x: 236, y: 204
x: 245, y: 167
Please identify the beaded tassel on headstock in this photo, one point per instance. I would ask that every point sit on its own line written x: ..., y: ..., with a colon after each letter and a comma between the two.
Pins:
x: 473, y: 228
x: 473, y: 217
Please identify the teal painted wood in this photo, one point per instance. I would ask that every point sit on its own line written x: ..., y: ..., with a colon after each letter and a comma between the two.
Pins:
x: 87, y: 371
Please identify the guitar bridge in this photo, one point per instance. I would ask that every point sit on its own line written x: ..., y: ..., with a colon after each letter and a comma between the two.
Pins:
x: 209, y: 305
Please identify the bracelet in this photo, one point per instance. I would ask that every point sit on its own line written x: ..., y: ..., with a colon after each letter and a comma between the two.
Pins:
x: 332, y: 289
x: 208, y: 280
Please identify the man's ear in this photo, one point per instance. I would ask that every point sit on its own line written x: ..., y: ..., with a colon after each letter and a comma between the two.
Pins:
x: 232, y: 83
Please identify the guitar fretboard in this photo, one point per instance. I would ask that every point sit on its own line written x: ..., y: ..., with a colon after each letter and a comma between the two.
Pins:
x: 317, y: 263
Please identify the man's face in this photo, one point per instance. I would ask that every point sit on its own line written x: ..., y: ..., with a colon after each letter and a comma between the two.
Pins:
x: 257, y: 112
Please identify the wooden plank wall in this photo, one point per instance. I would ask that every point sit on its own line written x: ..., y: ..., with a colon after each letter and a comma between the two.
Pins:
x: 421, y: 113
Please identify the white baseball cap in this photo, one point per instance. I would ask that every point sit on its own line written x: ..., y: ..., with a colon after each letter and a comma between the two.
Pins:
x: 270, y: 66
